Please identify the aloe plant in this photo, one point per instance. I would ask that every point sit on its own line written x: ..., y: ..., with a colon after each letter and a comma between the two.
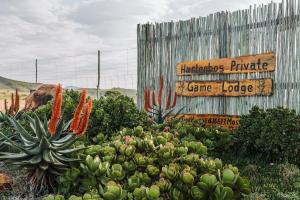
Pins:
x: 44, y: 151
x: 14, y: 107
x: 155, y: 108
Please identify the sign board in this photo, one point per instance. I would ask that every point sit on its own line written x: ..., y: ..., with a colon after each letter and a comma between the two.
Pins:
x: 230, y: 88
x: 244, y: 64
x: 226, y: 121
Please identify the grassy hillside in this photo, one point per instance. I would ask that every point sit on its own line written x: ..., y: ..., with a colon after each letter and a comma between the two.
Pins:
x: 7, y: 86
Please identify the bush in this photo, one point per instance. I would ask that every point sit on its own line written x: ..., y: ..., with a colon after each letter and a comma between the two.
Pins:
x: 113, y: 112
x: 273, y: 135
x: 138, y: 164
x: 274, y: 182
x: 217, y: 139
x: 109, y: 114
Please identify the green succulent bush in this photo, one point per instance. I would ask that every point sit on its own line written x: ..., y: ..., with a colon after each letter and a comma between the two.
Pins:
x: 216, y: 139
x: 272, y: 135
x: 139, y: 164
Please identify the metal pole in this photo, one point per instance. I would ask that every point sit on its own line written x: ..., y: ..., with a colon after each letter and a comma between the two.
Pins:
x: 35, y: 70
x: 98, y: 85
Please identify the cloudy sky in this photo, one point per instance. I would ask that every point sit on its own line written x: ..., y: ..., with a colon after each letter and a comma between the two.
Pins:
x: 64, y: 35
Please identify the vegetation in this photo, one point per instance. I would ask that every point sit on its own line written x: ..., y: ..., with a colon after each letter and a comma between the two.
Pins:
x: 272, y: 135
x: 124, y: 155
x: 109, y: 113
x: 155, y: 107
x: 43, y: 151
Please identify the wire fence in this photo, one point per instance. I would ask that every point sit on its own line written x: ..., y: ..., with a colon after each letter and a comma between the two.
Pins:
x: 117, y: 69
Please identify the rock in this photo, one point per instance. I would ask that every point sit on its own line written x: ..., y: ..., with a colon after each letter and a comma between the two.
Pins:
x: 5, y: 181
x: 39, y: 97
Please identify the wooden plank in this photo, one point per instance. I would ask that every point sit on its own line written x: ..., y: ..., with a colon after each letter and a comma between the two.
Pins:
x: 226, y: 121
x: 247, y: 87
x: 265, y: 62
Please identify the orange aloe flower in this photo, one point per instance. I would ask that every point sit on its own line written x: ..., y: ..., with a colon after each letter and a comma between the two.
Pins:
x: 175, y: 100
x: 146, y: 100
x: 12, y: 105
x: 161, y: 85
x: 85, y: 119
x: 5, y: 106
x: 168, y: 104
x: 56, y: 110
x: 77, y: 113
x: 17, y: 101
x: 153, y: 99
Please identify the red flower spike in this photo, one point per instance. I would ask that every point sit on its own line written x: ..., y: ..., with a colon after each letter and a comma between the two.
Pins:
x: 17, y: 101
x: 146, y: 100
x: 78, y: 111
x: 161, y: 85
x: 56, y: 110
x: 85, y: 119
x: 12, y: 106
x: 5, y: 106
x: 168, y: 104
x: 175, y: 100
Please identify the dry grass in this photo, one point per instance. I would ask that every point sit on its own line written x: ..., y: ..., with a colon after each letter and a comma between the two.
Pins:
x: 6, y: 94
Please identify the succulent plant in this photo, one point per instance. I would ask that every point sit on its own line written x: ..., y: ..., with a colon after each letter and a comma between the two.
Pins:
x: 156, y: 109
x: 137, y: 164
x: 112, y: 191
x: 44, y: 150
x: 14, y: 107
x: 153, y: 192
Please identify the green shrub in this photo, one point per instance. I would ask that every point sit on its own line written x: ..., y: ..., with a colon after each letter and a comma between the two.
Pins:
x: 274, y: 182
x: 139, y: 164
x: 217, y: 139
x: 109, y: 114
x: 113, y: 112
x: 273, y: 134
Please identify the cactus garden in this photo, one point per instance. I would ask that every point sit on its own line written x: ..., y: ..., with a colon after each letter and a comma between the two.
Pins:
x: 76, y: 148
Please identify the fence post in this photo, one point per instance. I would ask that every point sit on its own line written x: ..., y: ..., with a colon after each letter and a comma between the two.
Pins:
x: 98, y: 85
x: 36, y: 70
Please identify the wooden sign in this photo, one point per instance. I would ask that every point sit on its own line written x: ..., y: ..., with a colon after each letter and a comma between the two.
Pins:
x: 226, y: 121
x: 248, y: 87
x: 245, y: 64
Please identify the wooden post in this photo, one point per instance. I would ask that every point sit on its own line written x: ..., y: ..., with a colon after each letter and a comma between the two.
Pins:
x: 98, y: 85
x: 35, y: 70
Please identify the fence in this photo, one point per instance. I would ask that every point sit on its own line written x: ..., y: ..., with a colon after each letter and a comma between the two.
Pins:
x: 264, y: 28
x: 118, y: 69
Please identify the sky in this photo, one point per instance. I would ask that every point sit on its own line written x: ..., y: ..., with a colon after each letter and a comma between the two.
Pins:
x: 65, y: 35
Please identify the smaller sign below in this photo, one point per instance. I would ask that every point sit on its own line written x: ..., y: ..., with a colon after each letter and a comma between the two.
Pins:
x: 230, y: 88
x: 226, y: 121
x: 265, y: 62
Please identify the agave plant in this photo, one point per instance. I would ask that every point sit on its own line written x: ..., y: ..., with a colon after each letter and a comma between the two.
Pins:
x: 45, y: 150
x: 155, y: 108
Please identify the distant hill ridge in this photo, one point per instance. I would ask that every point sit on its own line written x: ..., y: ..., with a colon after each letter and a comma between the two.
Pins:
x: 9, y: 84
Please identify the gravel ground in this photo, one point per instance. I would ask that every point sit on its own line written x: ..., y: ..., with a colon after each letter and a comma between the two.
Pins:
x: 20, y: 189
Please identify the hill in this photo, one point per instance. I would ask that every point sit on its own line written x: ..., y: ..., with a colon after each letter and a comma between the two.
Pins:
x: 7, y: 86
